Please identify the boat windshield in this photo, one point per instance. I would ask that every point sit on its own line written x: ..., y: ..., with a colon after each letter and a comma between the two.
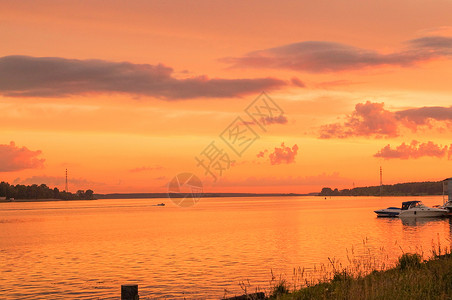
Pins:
x: 411, y: 204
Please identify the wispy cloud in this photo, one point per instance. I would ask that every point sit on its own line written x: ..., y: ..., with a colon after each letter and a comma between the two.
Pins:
x: 372, y: 119
x: 26, y: 76
x: 423, y: 116
x: 281, y: 119
x: 414, y: 150
x: 326, y: 56
x: 52, y: 181
x: 297, y: 82
x: 13, y: 158
x: 144, y: 169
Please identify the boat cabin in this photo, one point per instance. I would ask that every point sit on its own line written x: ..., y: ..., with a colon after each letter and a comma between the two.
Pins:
x: 447, y: 190
x: 409, y: 204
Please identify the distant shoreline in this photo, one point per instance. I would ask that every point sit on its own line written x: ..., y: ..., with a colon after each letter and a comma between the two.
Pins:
x: 158, y: 196
x: 41, y: 200
x: 224, y: 195
x: 201, y: 195
x: 418, y: 189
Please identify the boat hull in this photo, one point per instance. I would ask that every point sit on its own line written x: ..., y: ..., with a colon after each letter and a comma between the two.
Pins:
x: 423, y: 213
x: 387, y: 214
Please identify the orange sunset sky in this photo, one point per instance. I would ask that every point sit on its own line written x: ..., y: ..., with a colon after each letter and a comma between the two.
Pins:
x: 126, y: 94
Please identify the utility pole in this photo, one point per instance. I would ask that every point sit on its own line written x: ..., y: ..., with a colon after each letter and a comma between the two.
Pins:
x: 381, y: 180
x: 66, y: 190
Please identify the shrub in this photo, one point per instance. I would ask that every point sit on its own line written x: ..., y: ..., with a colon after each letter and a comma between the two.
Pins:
x: 280, y: 289
x: 409, y: 260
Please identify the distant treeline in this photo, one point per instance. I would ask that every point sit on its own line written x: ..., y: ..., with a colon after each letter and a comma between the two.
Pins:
x: 40, y: 192
x: 399, y: 189
x: 181, y: 195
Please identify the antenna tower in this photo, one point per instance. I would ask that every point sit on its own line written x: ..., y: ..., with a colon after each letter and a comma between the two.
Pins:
x: 381, y: 179
x: 66, y: 190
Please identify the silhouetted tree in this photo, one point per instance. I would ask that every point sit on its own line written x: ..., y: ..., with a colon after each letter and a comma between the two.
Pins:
x: 399, y: 189
x: 89, y: 194
x: 40, y: 192
x: 326, y: 191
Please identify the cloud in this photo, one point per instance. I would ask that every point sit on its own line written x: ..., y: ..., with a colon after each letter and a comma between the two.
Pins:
x: 13, y: 158
x: 325, y: 56
x: 415, y: 117
x: 283, y: 155
x: 261, y: 154
x: 26, y: 76
x: 367, y: 119
x: 51, y: 181
x: 143, y: 169
x: 372, y: 119
x: 281, y: 119
x: 437, y: 45
x: 297, y: 82
x: 414, y: 150
x: 271, y: 120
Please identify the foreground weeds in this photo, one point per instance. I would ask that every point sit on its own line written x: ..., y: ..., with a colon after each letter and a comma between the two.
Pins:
x: 411, y: 277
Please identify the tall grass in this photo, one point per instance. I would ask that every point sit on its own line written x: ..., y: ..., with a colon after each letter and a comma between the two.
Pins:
x: 410, y: 277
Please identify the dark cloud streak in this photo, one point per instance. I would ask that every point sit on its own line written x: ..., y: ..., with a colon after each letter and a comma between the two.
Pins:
x: 25, y: 76
x: 325, y: 56
x: 423, y: 115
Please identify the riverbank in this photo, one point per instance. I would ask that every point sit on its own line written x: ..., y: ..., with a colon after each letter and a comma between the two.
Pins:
x: 412, y: 278
x: 165, y: 196
x: 42, y: 200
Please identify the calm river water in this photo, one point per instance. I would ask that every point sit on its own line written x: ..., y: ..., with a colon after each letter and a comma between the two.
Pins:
x: 87, y: 249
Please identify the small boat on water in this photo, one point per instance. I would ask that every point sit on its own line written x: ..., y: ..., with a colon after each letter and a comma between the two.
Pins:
x: 416, y: 209
x: 390, y: 212
x: 161, y: 204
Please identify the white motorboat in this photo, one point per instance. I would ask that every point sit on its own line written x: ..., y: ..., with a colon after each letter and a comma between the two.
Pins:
x: 416, y: 209
x: 447, y: 195
x: 448, y: 206
x: 388, y: 212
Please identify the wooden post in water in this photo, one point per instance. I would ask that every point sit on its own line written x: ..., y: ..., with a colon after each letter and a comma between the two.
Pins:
x: 129, y: 292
